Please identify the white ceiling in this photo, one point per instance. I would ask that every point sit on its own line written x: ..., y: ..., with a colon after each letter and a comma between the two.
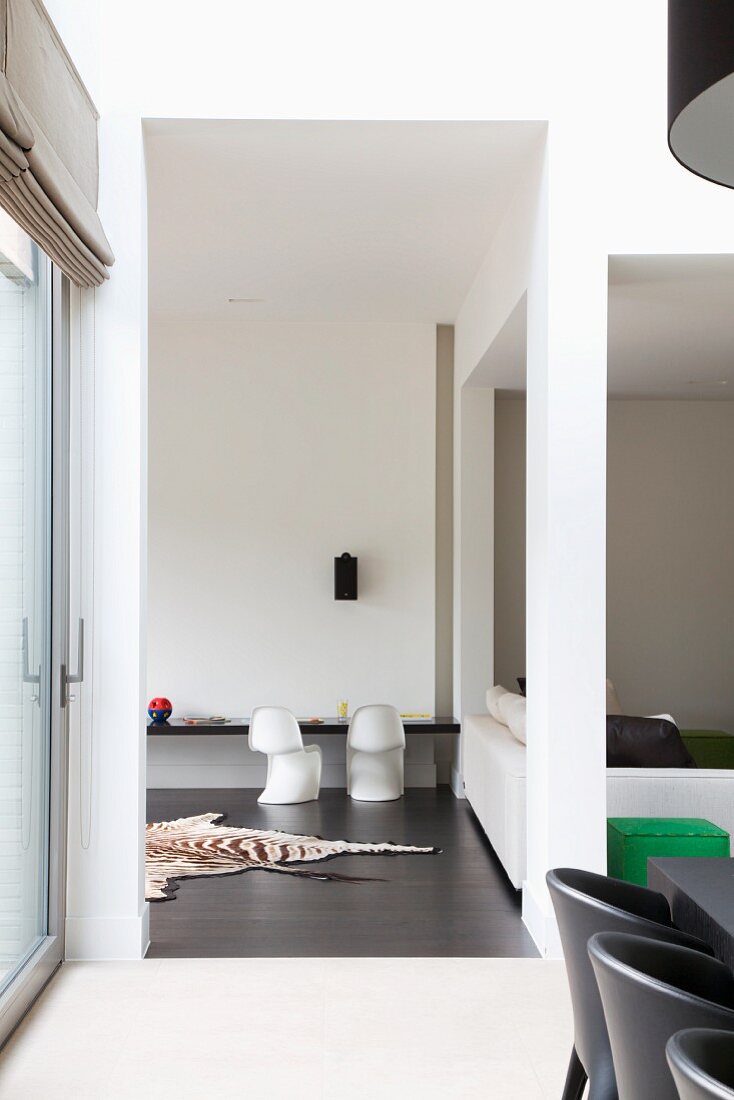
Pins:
x: 670, y: 331
x: 671, y: 326
x: 389, y: 221
x: 325, y: 221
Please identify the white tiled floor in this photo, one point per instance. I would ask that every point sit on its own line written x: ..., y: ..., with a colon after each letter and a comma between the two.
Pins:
x: 332, y: 1029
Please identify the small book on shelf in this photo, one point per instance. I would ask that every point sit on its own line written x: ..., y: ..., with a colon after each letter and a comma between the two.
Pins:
x: 203, y: 720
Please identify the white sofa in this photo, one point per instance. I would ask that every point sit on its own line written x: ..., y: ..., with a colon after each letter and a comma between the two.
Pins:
x: 493, y: 765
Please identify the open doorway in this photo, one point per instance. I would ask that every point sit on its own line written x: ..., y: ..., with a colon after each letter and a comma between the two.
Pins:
x: 670, y: 523
x: 497, y: 742
x: 509, y: 373
x: 670, y: 601
x: 305, y: 279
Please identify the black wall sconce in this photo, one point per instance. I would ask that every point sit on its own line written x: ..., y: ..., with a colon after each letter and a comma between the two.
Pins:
x: 701, y: 88
x: 345, y: 577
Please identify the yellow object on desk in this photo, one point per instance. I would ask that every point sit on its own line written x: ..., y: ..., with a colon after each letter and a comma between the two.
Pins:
x: 416, y: 716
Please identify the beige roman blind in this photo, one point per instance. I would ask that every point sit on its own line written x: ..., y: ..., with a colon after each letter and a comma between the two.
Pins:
x: 48, y: 145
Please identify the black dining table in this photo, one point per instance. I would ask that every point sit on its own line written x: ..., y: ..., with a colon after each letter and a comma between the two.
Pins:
x: 700, y: 892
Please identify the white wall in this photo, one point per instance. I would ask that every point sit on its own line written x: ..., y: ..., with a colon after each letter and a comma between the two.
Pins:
x: 670, y: 526
x: 444, y: 518
x: 509, y: 544
x: 566, y: 519
x: 500, y: 283
x: 474, y: 597
x: 273, y: 449
x: 670, y: 584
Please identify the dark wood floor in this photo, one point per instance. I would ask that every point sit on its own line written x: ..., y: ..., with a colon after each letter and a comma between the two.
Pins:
x: 458, y: 903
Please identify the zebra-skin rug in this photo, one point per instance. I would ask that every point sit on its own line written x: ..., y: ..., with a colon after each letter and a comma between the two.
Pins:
x: 195, y: 846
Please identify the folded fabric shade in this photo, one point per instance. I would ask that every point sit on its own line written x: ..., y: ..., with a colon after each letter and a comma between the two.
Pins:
x: 48, y: 145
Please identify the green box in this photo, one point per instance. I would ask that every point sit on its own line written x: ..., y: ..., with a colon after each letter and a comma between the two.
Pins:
x: 632, y: 840
x: 710, y: 748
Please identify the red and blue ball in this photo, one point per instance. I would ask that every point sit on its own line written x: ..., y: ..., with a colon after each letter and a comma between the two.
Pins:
x: 159, y: 710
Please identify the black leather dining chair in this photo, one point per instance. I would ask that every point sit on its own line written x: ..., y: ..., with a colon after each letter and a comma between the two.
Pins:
x: 650, y: 990
x: 586, y: 903
x: 702, y: 1064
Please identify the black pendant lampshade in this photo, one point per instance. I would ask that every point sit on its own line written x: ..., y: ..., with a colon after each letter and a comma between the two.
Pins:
x: 701, y: 87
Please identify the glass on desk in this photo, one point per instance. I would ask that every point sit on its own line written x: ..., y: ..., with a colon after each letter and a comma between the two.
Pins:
x: 342, y: 710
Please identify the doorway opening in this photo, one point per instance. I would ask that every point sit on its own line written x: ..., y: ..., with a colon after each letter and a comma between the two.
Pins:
x: 306, y: 283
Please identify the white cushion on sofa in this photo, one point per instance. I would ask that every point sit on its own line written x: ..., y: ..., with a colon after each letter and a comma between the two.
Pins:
x: 506, y: 704
x: 514, y: 710
x: 493, y: 697
x: 667, y: 717
x: 613, y: 704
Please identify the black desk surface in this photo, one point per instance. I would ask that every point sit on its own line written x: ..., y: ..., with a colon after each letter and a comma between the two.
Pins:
x: 175, y: 727
x: 700, y: 893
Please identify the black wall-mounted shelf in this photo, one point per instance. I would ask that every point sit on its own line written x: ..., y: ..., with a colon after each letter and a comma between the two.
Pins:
x: 239, y: 727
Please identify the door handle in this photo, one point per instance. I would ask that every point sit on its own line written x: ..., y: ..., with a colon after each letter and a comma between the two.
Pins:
x: 28, y: 676
x: 68, y: 678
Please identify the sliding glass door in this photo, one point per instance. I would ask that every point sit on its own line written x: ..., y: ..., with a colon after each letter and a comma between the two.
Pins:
x: 31, y: 605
